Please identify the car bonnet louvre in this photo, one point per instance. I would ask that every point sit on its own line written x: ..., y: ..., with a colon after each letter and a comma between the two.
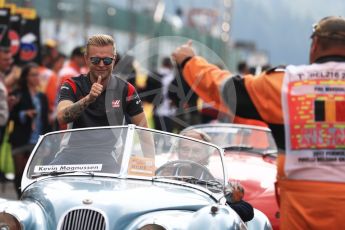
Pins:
x: 83, y: 219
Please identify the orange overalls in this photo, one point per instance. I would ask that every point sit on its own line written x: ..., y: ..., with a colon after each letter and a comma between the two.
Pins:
x: 303, y: 204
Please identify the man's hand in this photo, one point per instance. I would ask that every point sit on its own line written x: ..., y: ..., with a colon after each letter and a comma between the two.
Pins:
x: 68, y: 111
x: 96, y: 90
x: 31, y: 113
x: 12, y: 101
x: 183, y: 52
x: 235, y: 190
x: 12, y: 77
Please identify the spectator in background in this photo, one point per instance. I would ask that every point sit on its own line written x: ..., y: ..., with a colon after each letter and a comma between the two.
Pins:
x: 74, y: 67
x: 49, y: 52
x: 266, y: 67
x: 59, y: 62
x: 5, y: 65
x: 6, y: 60
x: 186, y: 101
x: 124, y: 68
x: 157, y: 91
x: 10, y: 73
x: 242, y: 68
x: 48, y: 78
x: 30, y: 117
x: 4, y: 112
x: 252, y: 70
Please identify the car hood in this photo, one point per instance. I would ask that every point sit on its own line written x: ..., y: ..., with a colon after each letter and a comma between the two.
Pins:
x: 127, y: 198
x: 257, y: 174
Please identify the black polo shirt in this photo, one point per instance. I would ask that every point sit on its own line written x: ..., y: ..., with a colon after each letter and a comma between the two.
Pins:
x: 118, y: 101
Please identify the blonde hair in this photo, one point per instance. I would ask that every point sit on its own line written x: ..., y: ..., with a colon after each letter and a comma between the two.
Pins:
x: 100, y: 40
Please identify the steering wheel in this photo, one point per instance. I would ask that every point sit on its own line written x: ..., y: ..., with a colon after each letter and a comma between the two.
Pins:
x: 178, y: 166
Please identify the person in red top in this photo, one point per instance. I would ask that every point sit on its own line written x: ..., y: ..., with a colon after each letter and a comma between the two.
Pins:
x: 312, y: 188
x: 52, y: 62
x: 74, y: 67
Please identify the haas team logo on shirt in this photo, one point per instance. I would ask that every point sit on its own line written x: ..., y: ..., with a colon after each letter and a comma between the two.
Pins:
x: 115, y: 103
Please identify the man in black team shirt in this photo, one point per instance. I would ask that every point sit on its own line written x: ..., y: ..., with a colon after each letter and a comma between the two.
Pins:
x: 98, y: 98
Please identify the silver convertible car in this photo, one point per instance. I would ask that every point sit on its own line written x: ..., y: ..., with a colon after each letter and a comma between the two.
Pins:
x: 123, y: 177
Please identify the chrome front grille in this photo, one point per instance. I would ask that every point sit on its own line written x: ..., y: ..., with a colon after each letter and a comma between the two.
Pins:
x: 83, y: 219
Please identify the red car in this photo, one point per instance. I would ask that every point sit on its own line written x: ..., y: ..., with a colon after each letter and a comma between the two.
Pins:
x: 250, y: 155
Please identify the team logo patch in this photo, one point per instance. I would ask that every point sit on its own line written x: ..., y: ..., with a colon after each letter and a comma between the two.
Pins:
x: 115, y: 103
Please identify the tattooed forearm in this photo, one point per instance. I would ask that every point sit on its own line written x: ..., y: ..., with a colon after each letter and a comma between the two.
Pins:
x: 72, y: 112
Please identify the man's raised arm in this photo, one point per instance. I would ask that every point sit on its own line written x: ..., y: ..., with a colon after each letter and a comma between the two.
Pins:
x: 204, y: 78
x: 68, y: 111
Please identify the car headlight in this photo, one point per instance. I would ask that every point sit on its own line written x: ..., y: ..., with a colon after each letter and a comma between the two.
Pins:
x: 9, y: 222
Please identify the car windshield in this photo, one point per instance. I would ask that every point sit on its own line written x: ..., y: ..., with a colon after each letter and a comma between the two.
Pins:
x: 240, y: 138
x: 127, y: 151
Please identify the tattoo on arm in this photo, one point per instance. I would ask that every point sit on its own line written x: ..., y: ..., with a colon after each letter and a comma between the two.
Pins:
x: 72, y: 112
